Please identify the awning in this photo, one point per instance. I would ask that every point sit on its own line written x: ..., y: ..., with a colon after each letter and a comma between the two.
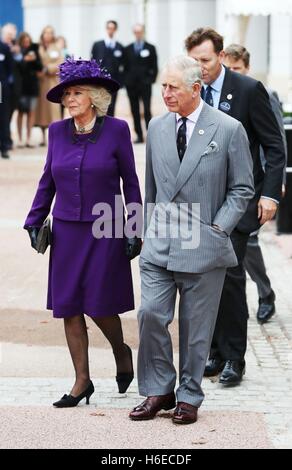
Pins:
x: 257, y: 7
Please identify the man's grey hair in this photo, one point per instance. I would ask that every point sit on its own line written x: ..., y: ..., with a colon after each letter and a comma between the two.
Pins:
x: 191, y: 71
x: 8, y: 28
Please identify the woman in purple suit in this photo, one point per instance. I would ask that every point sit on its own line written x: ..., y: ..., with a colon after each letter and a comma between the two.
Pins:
x: 88, y: 155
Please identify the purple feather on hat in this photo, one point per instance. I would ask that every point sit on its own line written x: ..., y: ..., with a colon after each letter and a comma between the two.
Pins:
x: 80, y: 68
x: 76, y: 72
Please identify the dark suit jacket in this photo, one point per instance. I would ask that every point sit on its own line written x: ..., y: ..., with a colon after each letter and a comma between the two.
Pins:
x: 6, y: 64
x: 112, y: 59
x: 278, y: 111
x: 28, y: 72
x: 142, y: 68
x: 246, y: 99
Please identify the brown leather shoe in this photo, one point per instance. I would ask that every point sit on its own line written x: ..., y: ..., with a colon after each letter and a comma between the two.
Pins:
x: 185, y: 413
x: 149, y: 407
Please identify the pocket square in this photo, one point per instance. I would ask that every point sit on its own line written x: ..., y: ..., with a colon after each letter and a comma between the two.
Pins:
x: 212, y: 147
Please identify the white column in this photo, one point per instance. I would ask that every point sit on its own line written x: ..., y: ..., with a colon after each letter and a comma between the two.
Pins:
x: 233, y: 27
x: 256, y: 42
x: 122, y: 11
x: 184, y: 17
x: 280, y: 74
x: 199, y: 13
x: 40, y: 13
x: 138, y: 11
x: 226, y: 24
x: 81, y: 21
x: 157, y: 32
x: 77, y: 26
x: 176, y: 30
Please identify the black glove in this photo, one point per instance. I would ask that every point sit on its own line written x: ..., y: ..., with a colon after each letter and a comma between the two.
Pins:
x: 33, y: 234
x: 133, y: 247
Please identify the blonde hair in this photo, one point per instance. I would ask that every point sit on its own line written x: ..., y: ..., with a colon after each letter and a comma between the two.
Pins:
x: 100, y: 98
x: 43, y: 33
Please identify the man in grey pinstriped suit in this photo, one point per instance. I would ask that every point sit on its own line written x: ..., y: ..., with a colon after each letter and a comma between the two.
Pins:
x: 214, y: 170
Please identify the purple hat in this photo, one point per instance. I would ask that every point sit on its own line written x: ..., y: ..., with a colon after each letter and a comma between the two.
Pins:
x: 80, y: 72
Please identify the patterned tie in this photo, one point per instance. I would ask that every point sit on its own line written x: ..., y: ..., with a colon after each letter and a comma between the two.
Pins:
x: 208, y: 96
x: 181, y: 140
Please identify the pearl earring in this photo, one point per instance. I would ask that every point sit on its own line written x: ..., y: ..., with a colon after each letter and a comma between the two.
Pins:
x: 92, y: 105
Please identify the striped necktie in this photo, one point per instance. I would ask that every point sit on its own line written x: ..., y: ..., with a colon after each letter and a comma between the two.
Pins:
x: 181, y: 140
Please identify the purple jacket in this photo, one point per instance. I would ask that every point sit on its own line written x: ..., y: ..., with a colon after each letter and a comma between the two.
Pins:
x: 82, y: 174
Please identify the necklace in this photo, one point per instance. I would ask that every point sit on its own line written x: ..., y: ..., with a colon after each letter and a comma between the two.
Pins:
x: 88, y: 127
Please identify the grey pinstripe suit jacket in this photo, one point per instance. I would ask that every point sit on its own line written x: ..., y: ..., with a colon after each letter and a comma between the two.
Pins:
x: 216, y: 172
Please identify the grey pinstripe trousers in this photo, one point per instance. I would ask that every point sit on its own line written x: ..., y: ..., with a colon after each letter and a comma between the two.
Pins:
x: 198, y: 307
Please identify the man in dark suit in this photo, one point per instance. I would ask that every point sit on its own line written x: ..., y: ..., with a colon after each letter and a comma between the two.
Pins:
x: 8, y: 37
x: 237, y: 59
x: 5, y: 80
x: 111, y: 52
x: 140, y: 72
x: 244, y: 99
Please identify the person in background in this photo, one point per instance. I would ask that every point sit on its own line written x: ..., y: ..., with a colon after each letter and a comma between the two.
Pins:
x: 6, y: 66
x: 29, y: 66
x: 51, y: 57
x: 237, y: 59
x: 8, y: 36
x: 88, y: 156
x: 246, y: 100
x: 140, y: 73
x: 111, y: 53
x: 61, y: 43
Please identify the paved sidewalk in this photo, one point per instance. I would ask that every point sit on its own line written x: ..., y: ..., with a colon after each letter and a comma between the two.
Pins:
x: 35, y: 367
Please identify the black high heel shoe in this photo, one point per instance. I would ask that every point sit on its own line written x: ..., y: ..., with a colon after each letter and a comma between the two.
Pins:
x: 68, y: 401
x: 125, y: 378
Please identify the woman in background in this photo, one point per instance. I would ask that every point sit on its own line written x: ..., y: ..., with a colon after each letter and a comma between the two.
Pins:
x: 29, y: 65
x: 51, y: 58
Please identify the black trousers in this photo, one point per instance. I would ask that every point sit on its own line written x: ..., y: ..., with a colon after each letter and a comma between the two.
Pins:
x: 255, y: 266
x: 5, y: 140
x: 230, y: 334
x: 135, y: 94
x: 111, y: 108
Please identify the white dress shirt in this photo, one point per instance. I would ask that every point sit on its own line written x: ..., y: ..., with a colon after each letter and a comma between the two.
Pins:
x: 191, y: 120
x: 216, y: 88
x: 109, y: 42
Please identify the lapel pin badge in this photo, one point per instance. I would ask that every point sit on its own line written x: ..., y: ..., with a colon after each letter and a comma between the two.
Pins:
x: 224, y: 106
x: 229, y: 97
x: 201, y: 132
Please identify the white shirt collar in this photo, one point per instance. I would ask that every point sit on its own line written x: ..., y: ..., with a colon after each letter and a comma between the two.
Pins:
x: 194, y: 116
x: 218, y: 83
x: 109, y: 41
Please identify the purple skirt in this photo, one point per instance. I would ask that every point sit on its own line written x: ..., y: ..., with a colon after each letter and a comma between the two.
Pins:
x: 87, y: 275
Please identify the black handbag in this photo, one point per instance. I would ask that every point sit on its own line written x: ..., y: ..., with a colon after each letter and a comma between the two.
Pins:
x: 44, y: 238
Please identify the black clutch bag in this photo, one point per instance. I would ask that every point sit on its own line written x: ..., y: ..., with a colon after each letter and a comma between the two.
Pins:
x: 44, y: 238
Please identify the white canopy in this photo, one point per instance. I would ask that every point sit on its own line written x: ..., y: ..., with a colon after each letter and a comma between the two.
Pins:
x: 257, y: 7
